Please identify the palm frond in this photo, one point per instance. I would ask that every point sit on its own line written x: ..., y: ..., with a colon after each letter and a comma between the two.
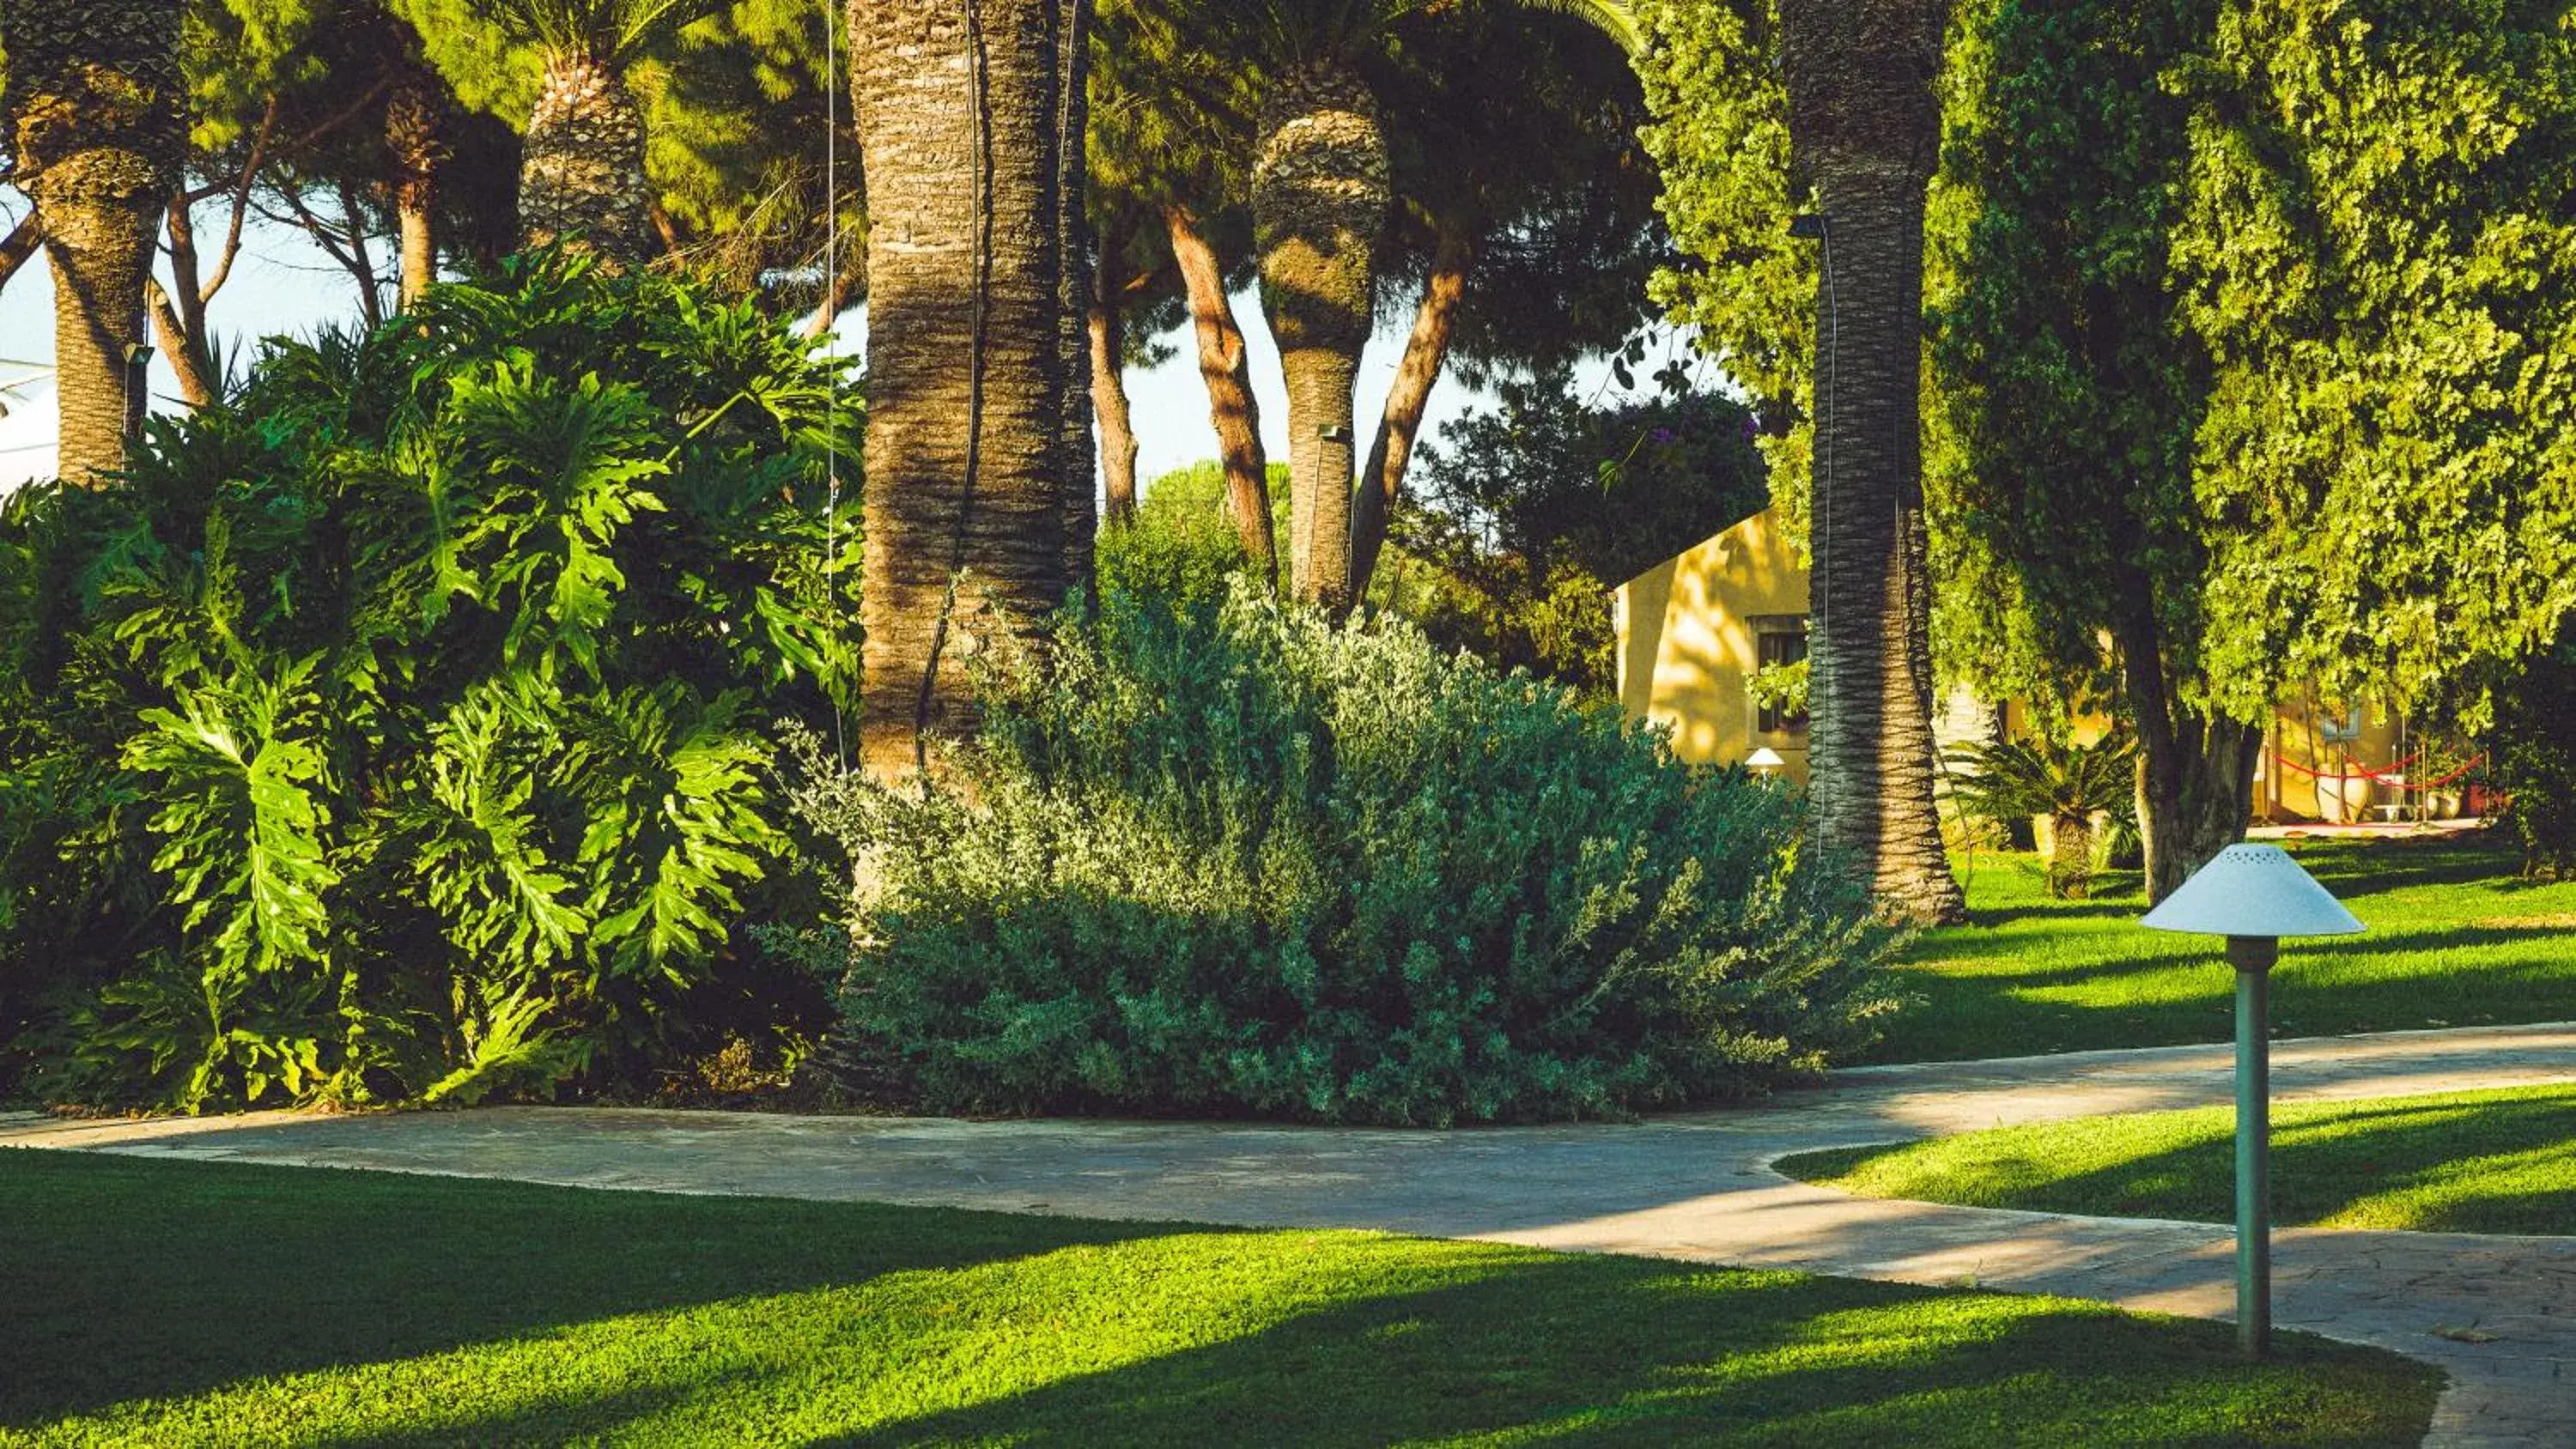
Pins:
x: 613, y: 31
x: 1610, y: 17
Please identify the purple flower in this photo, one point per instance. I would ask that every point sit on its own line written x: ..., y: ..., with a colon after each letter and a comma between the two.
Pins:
x: 1664, y: 435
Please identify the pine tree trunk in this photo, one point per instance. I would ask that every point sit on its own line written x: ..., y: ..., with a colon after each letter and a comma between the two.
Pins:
x: 188, y: 366
x: 416, y: 135
x: 581, y: 174
x: 965, y: 500
x: 1227, y: 374
x: 1320, y: 191
x: 1865, y: 125
x: 1426, y: 350
x: 1109, y: 401
x: 95, y: 108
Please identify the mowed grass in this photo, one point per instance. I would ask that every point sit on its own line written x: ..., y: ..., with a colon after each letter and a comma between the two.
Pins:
x: 2464, y: 1162
x: 2455, y: 938
x: 197, y: 1303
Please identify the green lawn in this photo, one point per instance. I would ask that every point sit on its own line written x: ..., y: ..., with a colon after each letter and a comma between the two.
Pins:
x: 180, y: 1303
x: 2455, y: 939
x: 2466, y: 1162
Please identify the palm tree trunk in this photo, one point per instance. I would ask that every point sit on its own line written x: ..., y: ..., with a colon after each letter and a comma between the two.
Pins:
x: 2070, y: 856
x: 1320, y: 190
x: 1865, y: 125
x: 1426, y: 350
x: 581, y: 173
x: 416, y: 135
x: 965, y: 500
x: 96, y: 123
x: 1078, y: 473
x: 1227, y: 373
x: 1108, y: 329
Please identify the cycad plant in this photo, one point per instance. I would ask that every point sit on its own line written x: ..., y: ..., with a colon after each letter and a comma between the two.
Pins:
x: 391, y: 733
x: 581, y: 179
x: 2067, y: 784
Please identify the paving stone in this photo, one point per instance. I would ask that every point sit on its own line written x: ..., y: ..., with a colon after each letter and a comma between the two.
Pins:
x: 1694, y: 1186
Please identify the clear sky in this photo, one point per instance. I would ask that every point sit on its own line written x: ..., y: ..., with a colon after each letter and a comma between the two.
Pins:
x: 283, y: 284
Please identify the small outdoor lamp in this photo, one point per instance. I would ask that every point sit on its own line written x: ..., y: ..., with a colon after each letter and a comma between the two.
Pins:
x: 1764, y: 760
x: 2253, y: 895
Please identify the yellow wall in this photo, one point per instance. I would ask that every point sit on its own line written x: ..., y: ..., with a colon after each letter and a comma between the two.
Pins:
x: 1687, y: 641
x: 2297, y: 734
x: 1687, y: 645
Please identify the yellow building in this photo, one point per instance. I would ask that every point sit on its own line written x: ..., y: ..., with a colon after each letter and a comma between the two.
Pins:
x: 1694, y: 628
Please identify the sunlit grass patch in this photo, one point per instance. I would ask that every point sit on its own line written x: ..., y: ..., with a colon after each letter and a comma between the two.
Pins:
x: 2456, y: 938
x: 191, y: 1303
x: 2469, y: 1162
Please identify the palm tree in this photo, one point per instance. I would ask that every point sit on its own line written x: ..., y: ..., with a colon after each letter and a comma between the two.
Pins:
x: 1864, y: 127
x: 418, y: 112
x: 1320, y: 194
x: 1320, y: 191
x: 97, y: 121
x: 581, y: 174
x: 973, y: 512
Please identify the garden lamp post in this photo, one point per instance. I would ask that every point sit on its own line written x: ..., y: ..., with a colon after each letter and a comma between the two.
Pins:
x: 2253, y: 895
x: 1764, y: 760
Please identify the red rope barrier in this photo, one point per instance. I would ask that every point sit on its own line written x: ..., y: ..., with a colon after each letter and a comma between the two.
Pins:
x: 2365, y: 772
x: 2389, y: 777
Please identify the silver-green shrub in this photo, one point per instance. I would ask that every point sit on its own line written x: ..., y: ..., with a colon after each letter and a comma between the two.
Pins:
x: 1243, y: 860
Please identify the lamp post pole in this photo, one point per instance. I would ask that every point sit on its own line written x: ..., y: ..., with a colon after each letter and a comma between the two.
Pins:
x: 2253, y: 956
x: 2253, y: 895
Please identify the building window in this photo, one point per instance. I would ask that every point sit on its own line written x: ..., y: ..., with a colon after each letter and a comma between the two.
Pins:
x: 1779, y: 641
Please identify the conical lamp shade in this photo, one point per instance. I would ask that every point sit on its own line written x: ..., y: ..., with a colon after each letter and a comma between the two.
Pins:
x: 2252, y: 890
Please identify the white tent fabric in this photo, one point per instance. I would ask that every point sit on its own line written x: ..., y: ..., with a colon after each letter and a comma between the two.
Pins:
x: 28, y: 430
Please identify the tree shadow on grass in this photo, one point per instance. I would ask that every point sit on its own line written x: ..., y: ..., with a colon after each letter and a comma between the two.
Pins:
x: 1580, y: 1350
x: 2426, y: 1164
x: 127, y: 1279
x: 2401, y: 863
x: 2092, y: 983
x: 1624, y: 1351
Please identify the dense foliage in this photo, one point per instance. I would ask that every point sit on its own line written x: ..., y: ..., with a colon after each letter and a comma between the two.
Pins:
x: 1242, y: 860
x: 1531, y: 512
x: 2299, y: 276
x: 2533, y: 758
x: 390, y: 732
x: 1183, y: 547
x: 2246, y: 322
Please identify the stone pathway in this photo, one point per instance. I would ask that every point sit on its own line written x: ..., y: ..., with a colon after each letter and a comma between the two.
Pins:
x: 1696, y: 1186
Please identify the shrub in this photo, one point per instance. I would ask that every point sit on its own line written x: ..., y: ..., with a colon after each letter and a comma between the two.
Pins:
x: 1252, y: 862
x: 1182, y: 549
x: 385, y: 733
